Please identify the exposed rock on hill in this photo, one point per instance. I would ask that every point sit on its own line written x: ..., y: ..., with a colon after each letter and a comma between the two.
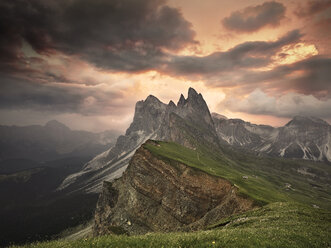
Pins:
x: 163, y: 195
x: 188, y: 123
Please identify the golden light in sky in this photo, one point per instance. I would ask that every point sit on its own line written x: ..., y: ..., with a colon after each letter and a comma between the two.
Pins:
x: 101, y: 66
x: 292, y: 53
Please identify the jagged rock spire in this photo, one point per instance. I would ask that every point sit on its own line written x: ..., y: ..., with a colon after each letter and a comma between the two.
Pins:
x: 192, y: 93
x: 181, y: 101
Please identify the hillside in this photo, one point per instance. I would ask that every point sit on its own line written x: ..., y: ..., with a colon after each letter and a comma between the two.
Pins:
x: 263, y: 179
x: 294, y: 195
x: 161, y: 195
x: 169, y: 187
x: 140, y: 201
x: 274, y: 225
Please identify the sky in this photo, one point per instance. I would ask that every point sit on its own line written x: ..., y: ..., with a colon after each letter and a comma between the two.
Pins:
x: 87, y: 62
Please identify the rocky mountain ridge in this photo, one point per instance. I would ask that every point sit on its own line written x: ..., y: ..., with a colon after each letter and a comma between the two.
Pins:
x: 302, y: 137
x: 190, y: 123
x: 161, y: 195
x: 187, y: 123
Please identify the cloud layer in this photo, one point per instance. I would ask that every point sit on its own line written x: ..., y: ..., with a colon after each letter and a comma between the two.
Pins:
x: 128, y: 35
x: 16, y: 93
x: 246, y: 55
x: 254, y: 18
x: 96, y: 58
x: 288, y: 105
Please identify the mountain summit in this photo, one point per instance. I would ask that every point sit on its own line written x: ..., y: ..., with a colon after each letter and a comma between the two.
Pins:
x: 302, y: 137
x: 54, y: 124
x: 300, y: 120
x: 189, y: 123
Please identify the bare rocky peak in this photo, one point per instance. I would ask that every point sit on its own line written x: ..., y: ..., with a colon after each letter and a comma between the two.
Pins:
x: 153, y: 119
x: 56, y: 125
x: 148, y: 115
x: 218, y: 116
x: 306, y: 121
x: 190, y: 123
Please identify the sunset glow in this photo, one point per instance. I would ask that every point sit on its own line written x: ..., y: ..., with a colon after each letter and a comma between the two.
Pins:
x: 89, y: 74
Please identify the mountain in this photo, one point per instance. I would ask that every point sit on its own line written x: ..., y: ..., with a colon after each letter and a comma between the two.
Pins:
x: 168, y: 187
x: 302, y: 137
x: 50, y: 142
x: 34, y: 160
x: 158, y: 194
x: 188, y: 123
x: 195, y: 151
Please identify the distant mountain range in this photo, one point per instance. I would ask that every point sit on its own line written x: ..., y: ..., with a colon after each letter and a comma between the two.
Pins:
x: 34, y: 160
x: 50, y: 142
x: 302, y: 137
x: 190, y: 123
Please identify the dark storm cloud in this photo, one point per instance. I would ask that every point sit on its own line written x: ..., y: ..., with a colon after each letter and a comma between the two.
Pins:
x: 312, y: 8
x: 254, y: 18
x: 309, y: 76
x: 125, y: 35
x: 316, y: 19
x: 22, y: 94
x: 246, y: 55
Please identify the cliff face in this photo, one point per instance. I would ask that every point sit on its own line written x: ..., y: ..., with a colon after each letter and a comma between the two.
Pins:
x: 160, y: 195
x: 188, y: 123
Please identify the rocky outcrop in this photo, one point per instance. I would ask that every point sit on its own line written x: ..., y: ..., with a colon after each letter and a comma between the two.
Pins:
x: 162, y: 195
x: 188, y: 123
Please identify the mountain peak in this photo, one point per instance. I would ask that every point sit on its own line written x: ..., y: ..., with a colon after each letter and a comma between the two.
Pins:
x: 192, y: 93
x: 54, y: 124
x: 218, y: 116
x: 181, y: 100
x: 152, y: 99
x: 305, y: 120
x: 172, y: 104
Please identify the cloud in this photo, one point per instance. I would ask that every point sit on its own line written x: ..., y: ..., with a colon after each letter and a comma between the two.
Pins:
x: 312, y: 8
x: 309, y: 76
x: 287, y: 105
x: 254, y: 18
x: 315, y: 17
x: 63, y: 98
x: 253, y: 54
x: 121, y: 35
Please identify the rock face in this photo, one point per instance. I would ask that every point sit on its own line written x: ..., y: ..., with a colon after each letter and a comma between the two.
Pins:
x: 154, y: 195
x: 190, y: 124
x: 303, y: 137
x: 187, y: 123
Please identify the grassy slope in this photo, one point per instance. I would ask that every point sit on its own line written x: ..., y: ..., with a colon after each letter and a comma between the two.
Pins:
x: 274, y: 225
x: 267, y: 177
x: 288, y: 220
